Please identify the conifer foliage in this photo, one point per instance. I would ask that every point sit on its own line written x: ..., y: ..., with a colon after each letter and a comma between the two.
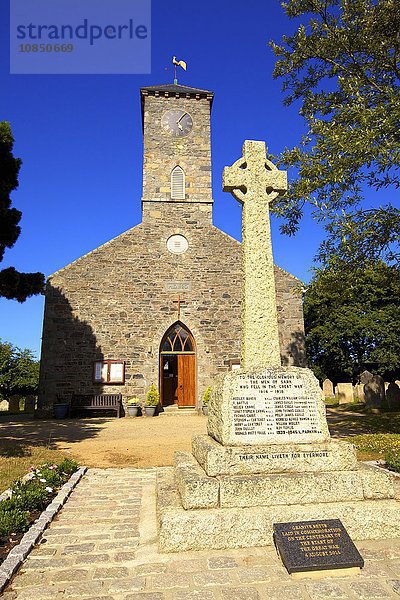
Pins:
x: 13, y: 284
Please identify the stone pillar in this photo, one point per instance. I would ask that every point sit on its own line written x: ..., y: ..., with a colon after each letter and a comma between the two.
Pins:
x: 255, y: 182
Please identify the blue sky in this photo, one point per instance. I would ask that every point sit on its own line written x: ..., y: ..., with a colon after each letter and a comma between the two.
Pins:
x: 80, y: 139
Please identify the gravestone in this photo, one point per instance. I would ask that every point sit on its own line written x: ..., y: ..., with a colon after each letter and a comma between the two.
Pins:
x: 374, y: 392
x: 30, y: 403
x: 327, y: 387
x: 345, y: 393
x: 393, y: 396
x: 14, y: 403
x: 365, y: 377
x: 359, y: 392
x: 268, y: 456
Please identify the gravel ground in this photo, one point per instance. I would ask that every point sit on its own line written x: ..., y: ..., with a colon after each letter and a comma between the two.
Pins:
x: 101, y: 442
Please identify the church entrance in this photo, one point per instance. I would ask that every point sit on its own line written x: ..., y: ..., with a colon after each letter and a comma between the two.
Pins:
x: 178, y: 367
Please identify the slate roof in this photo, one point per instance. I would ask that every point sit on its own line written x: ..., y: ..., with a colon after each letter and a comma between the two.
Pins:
x: 174, y: 89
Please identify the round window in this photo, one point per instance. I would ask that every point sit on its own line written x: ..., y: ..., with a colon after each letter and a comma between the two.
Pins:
x: 177, y: 244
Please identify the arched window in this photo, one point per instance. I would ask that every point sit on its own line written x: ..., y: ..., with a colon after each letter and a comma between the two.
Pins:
x: 178, y: 183
x: 177, y: 339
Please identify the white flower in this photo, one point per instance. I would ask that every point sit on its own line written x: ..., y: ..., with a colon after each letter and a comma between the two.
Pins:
x: 42, y: 480
x: 49, y: 489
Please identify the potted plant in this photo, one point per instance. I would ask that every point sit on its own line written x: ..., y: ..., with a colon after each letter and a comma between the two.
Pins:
x: 132, y: 406
x: 61, y: 408
x: 152, y: 401
x: 205, y: 400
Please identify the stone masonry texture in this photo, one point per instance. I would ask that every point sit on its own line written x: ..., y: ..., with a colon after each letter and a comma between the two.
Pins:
x: 116, y: 302
x: 90, y: 552
x: 162, y: 153
x: 260, y: 336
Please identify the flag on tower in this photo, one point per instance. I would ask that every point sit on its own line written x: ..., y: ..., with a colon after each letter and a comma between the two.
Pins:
x: 179, y: 63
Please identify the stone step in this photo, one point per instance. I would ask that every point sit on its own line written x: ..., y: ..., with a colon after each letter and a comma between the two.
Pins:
x: 173, y: 411
x: 221, y: 528
x: 198, y: 490
x: 216, y: 459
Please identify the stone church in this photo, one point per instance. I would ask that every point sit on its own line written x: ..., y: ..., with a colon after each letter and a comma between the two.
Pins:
x: 160, y: 303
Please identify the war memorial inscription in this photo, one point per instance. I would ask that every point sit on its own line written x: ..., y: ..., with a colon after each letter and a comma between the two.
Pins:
x: 274, y: 405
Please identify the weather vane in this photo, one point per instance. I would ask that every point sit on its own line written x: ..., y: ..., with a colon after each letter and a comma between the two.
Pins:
x: 178, y: 63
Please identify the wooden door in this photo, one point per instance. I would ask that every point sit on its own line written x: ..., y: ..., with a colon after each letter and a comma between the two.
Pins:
x: 186, y: 380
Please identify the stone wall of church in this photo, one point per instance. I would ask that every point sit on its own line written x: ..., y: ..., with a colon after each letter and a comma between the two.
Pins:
x: 290, y: 319
x: 118, y: 301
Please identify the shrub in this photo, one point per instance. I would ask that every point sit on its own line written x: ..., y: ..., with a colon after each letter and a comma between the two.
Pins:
x: 206, y: 396
x: 51, y: 476
x: 152, y: 396
x: 32, y: 495
x: 392, y: 459
x: 29, y: 495
x: 12, y: 520
x: 68, y: 466
x: 133, y: 401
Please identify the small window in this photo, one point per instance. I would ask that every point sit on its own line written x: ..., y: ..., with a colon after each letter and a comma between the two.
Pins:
x: 109, y: 371
x: 178, y: 184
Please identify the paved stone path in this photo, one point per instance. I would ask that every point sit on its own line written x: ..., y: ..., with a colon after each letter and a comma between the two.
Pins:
x: 103, y: 545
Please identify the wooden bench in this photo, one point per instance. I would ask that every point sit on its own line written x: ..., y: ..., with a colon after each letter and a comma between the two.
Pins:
x: 96, y: 402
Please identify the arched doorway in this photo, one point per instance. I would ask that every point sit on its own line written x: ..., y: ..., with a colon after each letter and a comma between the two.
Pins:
x: 178, y: 367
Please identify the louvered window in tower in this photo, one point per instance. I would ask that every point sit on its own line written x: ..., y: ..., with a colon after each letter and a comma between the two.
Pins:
x: 178, y: 184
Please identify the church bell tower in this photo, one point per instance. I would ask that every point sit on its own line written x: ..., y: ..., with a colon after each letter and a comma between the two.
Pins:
x: 177, y: 145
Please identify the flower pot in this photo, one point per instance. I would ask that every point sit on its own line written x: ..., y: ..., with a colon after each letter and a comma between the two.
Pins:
x: 60, y: 411
x: 150, y: 410
x: 132, y: 411
x: 205, y: 409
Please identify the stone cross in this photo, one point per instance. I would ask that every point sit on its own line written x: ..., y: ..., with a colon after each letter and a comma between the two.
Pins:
x: 255, y: 182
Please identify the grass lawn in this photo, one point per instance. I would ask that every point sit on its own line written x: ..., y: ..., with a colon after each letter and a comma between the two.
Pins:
x: 373, y: 434
x: 16, y: 460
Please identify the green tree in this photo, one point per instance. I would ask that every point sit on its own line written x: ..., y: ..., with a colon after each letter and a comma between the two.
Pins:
x: 13, y: 285
x: 352, y: 322
x: 342, y: 67
x: 19, y: 371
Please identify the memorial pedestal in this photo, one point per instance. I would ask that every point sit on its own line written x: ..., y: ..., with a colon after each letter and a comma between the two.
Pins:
x: 217, y: 459
x: 221, y: 528
x: 240, y: 480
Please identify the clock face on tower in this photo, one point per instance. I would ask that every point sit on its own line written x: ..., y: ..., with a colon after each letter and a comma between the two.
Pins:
x: 177, y: 122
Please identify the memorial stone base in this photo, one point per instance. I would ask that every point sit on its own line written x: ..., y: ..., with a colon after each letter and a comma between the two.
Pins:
x: 228, y: 494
